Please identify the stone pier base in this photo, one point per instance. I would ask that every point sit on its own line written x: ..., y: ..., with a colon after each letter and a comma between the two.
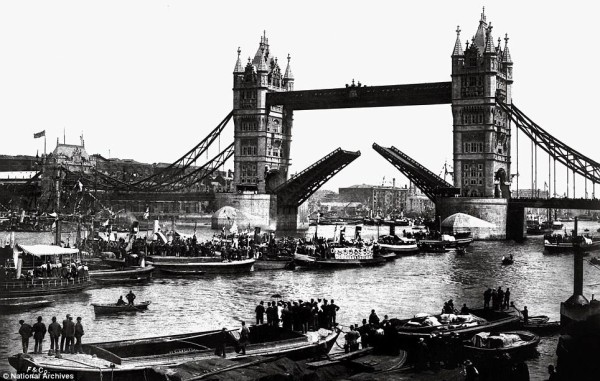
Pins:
x: 492, y: 210
x: 256, y: 210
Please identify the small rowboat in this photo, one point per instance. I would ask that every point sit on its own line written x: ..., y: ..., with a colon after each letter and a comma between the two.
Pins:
x: 507, y: 261
x: 113, y: 308
x: 540, y: 325
x: 519, y: 344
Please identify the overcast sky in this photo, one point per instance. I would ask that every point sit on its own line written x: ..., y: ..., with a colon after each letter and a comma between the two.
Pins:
x: 148, y: 79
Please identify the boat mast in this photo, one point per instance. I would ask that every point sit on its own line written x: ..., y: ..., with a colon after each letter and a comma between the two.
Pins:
x: 57, y: 232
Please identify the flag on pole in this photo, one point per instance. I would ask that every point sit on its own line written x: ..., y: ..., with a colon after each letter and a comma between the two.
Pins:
x: 147, y: 213
x: 39, y: 134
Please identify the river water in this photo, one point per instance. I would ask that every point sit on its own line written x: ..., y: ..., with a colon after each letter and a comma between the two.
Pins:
x: 412, y: 284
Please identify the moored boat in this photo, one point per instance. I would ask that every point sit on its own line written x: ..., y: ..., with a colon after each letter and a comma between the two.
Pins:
x: 194, y: 265
x: 488, y: 344
x: 274, y: 263
x: 41, y: 270
x: 339, y: 256
x: 127, y: 275
x: 563, y: 244
x: 114, y: 308
x: 398, y: 245
x: 129, y: 359
x: 8, y: 305
x: 422, y: 325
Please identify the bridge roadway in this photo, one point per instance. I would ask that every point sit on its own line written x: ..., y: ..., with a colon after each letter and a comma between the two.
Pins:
x: 557, y: 203
x: 364, y: 96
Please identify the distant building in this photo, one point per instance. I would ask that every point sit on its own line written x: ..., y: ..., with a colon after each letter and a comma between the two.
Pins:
x: 529, y: 193
x: 417, y: 204
x: 380, y: 199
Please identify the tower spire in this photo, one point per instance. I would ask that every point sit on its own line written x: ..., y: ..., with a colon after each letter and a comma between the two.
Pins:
x: 238, y: 64
x: 506, y: 56
x: 288, y: 70
x: 489, y: 43
x: 262, y: 66
x: 458, y: 51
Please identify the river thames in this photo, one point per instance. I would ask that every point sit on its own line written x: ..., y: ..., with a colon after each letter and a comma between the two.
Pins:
x: 409, y: 285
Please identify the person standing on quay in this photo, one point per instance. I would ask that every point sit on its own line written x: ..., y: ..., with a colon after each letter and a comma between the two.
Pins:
x: 507, y: 298
x: 39, y: 331
x: 260, y: 313
x: 54, y: 330
x: 26, y: 332
x: 65, y: 323
x: 78, y: 333
x: 244, y: 337
x: 69, y: 333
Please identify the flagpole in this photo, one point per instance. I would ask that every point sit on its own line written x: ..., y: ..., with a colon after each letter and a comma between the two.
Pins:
x: 44, y: 143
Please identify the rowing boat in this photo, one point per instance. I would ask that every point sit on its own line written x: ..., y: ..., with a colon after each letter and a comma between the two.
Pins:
x: 114, y: 309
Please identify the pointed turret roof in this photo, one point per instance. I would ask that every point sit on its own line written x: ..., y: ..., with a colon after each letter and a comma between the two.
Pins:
x: 262, y: 64
x: 458, y: 51
x: 288, y: 70
x: 489, y: 41
x: 506, y: 56
x: 262, y: 53
x: 479, y: 39
x: 238, y: 65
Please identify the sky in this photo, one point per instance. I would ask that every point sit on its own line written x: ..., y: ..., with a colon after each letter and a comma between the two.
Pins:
x: 147, y: 80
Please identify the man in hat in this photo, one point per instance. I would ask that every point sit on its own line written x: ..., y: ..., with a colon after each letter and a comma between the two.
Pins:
x: 78, y: 333
x: 220, y: 350
x: 69, y: 333
x: 26, y: 332
x: 54, y: 330
x: 244, y: 337
x: 39, y: 331
x: 63, y: 338
x: 260, y: 313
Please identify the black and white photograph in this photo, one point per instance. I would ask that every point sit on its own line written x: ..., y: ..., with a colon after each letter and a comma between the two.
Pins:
x: 299, y: 190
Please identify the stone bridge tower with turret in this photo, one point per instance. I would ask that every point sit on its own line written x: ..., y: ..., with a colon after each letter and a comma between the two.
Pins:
x: 263, y: 133
x: 481, y: 76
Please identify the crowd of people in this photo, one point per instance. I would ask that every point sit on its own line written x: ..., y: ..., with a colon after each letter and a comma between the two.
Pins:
x: 69, y: 332
x: 499, y: 298
x: 298, y: 315
x: 66, y: 270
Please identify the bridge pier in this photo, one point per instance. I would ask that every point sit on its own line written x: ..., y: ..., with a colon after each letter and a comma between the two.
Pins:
x: 492, y: 210
x: 515, y: 222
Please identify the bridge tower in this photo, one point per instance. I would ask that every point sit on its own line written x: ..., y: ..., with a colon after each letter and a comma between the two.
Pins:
x: 481, y: 76
x: 262, y: 134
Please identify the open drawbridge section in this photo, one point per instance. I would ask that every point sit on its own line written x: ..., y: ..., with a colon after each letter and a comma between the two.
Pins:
x: 428, y: 182
x: 572, y: 159
x: 299, y: 188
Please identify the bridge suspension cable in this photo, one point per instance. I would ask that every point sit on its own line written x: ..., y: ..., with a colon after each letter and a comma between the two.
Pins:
x: 178, y: 168
x: 572, y: 159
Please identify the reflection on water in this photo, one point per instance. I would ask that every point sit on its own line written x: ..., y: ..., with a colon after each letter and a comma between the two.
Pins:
x: 412, y: 284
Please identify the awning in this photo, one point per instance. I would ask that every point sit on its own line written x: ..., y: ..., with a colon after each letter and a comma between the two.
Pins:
x: 42, y: 250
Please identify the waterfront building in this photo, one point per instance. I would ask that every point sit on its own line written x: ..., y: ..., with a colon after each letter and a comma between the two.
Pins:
x: 384, y: 200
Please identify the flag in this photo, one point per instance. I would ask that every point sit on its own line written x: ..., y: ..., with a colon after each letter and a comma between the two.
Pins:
x: 39, y: 134
x: 147, y: 213
x: 79, y: 186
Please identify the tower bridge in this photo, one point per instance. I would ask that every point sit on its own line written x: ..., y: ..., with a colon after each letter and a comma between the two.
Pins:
x: 483, y: 113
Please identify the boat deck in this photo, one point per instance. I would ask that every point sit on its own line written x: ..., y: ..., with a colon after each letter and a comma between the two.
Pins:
x: 87, y: 362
